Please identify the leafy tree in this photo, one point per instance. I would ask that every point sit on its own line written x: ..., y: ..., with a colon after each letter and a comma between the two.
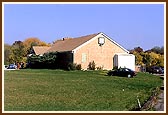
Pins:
x: 18, y: 51
x: 153, y: 57
x: 158, y: 50
x: 162, y: 50
x: 30, y: 42
x: 7, y: 54
x: 146, y: 59
x: 138, y: 58
x: 161, y: 61
x: 138, y: 49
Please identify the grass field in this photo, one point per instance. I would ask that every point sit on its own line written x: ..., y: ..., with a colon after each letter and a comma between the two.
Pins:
x: 58, y: 90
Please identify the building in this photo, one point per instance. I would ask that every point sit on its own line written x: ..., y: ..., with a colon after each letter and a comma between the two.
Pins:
x: 82, y: 50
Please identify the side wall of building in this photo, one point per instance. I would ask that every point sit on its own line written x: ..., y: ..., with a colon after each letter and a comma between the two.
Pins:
x: 101, y: 55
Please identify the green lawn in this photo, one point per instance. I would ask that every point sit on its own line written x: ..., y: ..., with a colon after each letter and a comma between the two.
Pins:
x: 58, y: 90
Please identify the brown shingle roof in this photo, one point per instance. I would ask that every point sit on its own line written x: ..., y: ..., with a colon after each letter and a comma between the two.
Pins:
x: 70, y: 44
x: 40, y: 50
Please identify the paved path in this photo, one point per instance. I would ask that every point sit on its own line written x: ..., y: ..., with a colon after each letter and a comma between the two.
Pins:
x: 159, y: 106
x: 156, y: 101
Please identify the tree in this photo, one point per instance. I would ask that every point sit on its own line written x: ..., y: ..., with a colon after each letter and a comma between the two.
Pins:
x: 146, y: 58
x: 158, y: 50
x: 161, y: 61
x: 7, y: 53
x: 138, y: 49
x: 154, y: 58
x: 18, y: 51
x: 138, y: 58
x: 162, y: 50
x: 30, y: 42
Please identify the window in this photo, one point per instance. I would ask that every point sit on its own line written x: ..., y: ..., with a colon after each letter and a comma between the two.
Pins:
x: 84, y: 56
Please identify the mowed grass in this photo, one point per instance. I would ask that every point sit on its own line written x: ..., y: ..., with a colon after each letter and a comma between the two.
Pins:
x: 58, y: 90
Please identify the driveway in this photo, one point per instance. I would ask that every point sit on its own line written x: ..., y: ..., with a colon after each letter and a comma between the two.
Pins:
x: 159, y: 106
x: 156, y: 101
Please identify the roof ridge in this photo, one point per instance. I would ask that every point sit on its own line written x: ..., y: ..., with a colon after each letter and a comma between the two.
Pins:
x: 72, y: 43
x: 88, y: 35
x: 41, y: 46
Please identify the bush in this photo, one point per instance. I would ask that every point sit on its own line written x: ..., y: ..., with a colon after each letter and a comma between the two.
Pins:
x: 115, y: 67
x: 99, y: 68
x: 92, y: 65
x: 78, y: 67
x: 74, y: 66
x: 48, y: 60
x: 71, y: 66
x: 52, y: 60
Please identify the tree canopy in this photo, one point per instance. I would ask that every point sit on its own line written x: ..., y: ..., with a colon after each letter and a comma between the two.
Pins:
x: 19, y: 50
x: 152, y: 57
x: 30, y: 42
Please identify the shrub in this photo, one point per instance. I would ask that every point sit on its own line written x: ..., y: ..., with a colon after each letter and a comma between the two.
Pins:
x: 92, y: 65
x: 71, y: 66
x: 78, y: 67
x: 115, y: 67
x: 99, y: 68
x: 52, y: 60
x: 48, y: 60
x: 74, y: 66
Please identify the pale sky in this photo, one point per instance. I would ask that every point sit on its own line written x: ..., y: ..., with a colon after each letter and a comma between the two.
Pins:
x: 131, y: 25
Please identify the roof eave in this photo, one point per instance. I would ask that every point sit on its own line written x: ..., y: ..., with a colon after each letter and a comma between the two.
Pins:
x: 115, y: 42
x: 101, y: 33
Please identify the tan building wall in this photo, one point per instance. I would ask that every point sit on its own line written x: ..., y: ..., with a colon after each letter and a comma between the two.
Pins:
x: 101, y: 55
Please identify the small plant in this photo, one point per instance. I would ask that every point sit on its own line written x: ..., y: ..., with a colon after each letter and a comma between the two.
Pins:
x: 78, y: 67
x: 74, y: 66
x: 71, y: 66
x: 115, y: 67
x: 92, y: 65
x: 99, y: 68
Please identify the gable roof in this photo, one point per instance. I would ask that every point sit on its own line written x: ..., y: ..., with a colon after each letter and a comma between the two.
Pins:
x: 69, y: 44
x: 105, y: 37
x: 40, y: 50
x: 72, y: 44
x: 115, y: 42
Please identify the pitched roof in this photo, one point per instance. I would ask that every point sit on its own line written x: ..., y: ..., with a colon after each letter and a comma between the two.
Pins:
x: 116, y: 43
x: 70, y: 44
x: 40, y: 50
